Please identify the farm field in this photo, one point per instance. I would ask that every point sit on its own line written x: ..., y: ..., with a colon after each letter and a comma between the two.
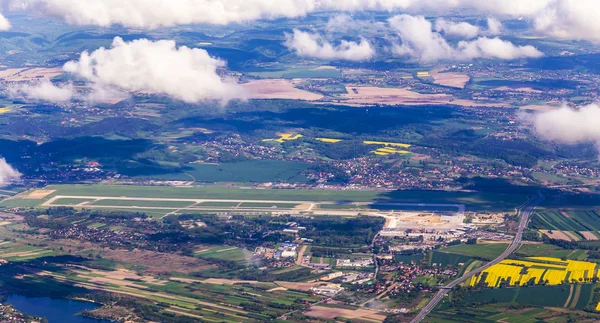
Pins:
x: 278, y: 89
x: 568, y: 220
x: 17, y: 252
x: 537, y: 270
x: 493, y: 313
x: 242, y: 172
x: 482, y: 251
x: 193, y: 298
x: 548, y: 250
x: 238, y: 255
x: 447, y: 259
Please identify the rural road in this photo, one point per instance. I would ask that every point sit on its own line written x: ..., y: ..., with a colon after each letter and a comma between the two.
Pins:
x: 525, y: 210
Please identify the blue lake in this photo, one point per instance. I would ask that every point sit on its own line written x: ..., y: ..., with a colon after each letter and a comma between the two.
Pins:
x: 54, y: 309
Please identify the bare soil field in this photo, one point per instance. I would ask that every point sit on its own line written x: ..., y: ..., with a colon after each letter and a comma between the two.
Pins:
x: 557, y: 235
x: 298, y: 286
x: 29, y: 74
x: 37, y: 194
x: 329, y: 313
x: 451, y: 79
x: 278, y: 89
x: 219, y: 281
x: 371, y: 95
x: 155, y: 262
x: 118, y: 277
x: 572, y: 235
x: 588, y: 235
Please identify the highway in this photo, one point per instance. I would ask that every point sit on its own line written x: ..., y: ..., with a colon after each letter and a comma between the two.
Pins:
x: 525, y: 211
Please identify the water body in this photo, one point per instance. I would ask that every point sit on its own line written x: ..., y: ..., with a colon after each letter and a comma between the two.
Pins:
x: 54, y: 309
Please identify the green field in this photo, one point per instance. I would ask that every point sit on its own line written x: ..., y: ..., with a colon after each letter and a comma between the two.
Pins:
x: 550, y: 219
x: 241, y: 256
x: 548, y: 250
x: 554, y: 296
x: 67, y: 201
x: 268, y: 205
x: 447, y: 259
x: 298, y: 73
x: 141, y: 203
x: 242, y: 172
x: 482, y: 251
x: 473, y: 200
x: 495, y: 313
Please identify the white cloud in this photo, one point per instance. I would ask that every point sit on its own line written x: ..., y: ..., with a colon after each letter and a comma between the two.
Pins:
x: 8, y: 175
x: 494, y: 48
x: 340, y: 22
x: 42, y: 91
x: 4, y: 23
x: 495, y: 26
x: 565, y: 19
x: 419, y: 41
x: 314, y: 45
x: 570, y: 19
x: 460, y: 29
x: 159, y: 67
x: 570, y: 126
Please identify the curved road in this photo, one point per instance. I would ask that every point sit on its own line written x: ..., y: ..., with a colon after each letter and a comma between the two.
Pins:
x: 525, y: 210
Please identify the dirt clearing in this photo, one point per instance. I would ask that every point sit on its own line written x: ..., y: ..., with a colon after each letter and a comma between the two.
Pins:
x: 29, y: 74
x: 556, y: 235
x: 370, y: 95
x: 330, y: 313
x: 450, y: 79
x: 37, y: 194
x: 588, y: 235
x: 278, y: 89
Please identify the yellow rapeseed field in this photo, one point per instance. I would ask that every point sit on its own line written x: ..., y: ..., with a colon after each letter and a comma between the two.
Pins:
x: 542, y: 270
x: 329, y: 140
x: 283, y: 137
x: 389, y: 151
x: 392, y: 144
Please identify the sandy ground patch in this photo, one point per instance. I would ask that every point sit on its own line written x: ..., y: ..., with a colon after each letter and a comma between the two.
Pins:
x: 565, y: 214
x: 278, y: 89
x: 451, y: 79
x: 371, y: 95
x: 29, y: 74
x: 331, y: 313
x: 276, y: 289
x: 5, y: 223
x: 155, y: 262
x: 225, y: 250
x: 588, y: 235
x: 572, y: 235
x: 118, y: 277
x: 37, y: 194
x: 26, y: 254
x: 186, y: 280
x: 219, y: 281
x: 303, y: 207
x: 298, y: 286
x: 556, y: 235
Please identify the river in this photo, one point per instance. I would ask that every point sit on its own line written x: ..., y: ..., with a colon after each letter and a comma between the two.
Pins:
x: 54, y: 309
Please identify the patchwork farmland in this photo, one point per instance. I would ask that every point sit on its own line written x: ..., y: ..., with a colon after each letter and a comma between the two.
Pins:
x: 568, y: 225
